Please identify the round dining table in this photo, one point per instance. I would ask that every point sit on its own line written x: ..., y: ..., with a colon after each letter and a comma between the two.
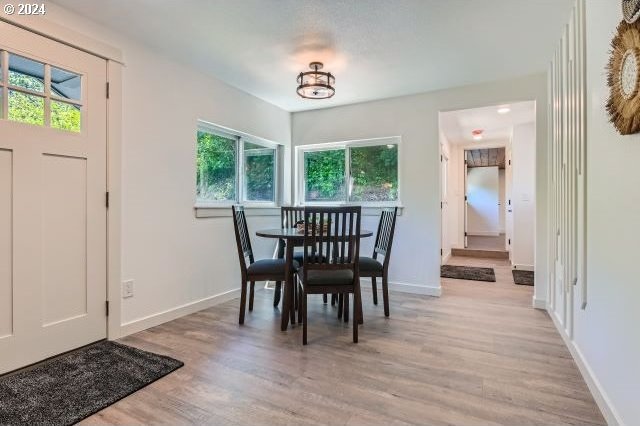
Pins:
x: 292, y: 238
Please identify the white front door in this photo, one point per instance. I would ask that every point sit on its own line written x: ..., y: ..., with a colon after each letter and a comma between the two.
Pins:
x: 52, y: 198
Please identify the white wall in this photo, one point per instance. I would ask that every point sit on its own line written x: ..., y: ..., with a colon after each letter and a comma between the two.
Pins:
x: 416, y: 257
x: 501, y: 200
x: 482, y: 201
x: 174, y: 258
x: 523, y: 161
x: 606, y: 333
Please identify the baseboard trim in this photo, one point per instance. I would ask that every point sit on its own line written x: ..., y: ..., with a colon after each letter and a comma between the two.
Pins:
x: 415, y: 289
x: 539, y: 304
x: 446, y: 257
x: 153, y: 320
x: 599, y: 395
x: 483, y: 234
x: 523, y: 267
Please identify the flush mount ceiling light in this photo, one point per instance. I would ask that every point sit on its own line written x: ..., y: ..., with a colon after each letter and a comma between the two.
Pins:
x: 477, y: 135
x: 504, y: 110
x: 316, y: 84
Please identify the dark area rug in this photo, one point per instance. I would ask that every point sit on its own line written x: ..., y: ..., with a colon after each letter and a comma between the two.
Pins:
x: 467, y: 273
x: 522, y: 277
x: 71, y: 387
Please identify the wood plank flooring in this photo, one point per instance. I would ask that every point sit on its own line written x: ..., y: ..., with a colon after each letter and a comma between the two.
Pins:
x: 478, y: 355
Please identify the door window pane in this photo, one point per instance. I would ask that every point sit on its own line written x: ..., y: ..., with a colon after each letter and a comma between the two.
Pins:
x: 26, y: 73
x: 26, y: 108
x: 65, y: 84
x: 216, y: 167
x: 259, y: 172
x: 324, y: 175
x: 374, y: 173
x: 65, y: 116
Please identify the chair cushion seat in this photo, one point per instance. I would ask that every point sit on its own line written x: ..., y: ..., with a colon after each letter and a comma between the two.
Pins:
x: 369, y: 264
x: 273, y: 267
x: 327, y: 277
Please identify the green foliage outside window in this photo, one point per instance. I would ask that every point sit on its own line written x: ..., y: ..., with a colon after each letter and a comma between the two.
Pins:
x: 28, y: 108
x: 216, y: 168
x: 374, y: 173
x: 259, y: 170
x: 324, y: 175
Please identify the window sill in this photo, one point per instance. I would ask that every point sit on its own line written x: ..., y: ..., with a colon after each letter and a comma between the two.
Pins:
x: 207, y: 211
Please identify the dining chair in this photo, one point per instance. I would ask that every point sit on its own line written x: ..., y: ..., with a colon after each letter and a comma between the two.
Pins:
x: 289, y: 217
x: 330, y: 259
x: 371, y: 266
x: 256, y: 270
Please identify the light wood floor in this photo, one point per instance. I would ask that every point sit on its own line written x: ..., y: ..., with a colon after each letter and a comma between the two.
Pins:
x: 478, y: 355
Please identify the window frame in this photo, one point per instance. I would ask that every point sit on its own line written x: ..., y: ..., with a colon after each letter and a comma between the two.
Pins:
x: 346, y: 145
x: 240, y: 191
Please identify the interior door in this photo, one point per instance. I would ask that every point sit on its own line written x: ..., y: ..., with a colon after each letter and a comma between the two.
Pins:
x: 52, y: 198
x: 444, y: 206
x: 466, y: 202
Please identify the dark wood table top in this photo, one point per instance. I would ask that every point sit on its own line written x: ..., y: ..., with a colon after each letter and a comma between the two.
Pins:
x: 293, y: 234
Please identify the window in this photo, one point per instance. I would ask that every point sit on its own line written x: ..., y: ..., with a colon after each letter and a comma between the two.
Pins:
x: 353, y: 172
x: 232, y: 168
x: 39, y: 94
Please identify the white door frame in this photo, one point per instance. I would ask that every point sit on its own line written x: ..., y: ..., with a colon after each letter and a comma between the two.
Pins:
x: 113, y: 56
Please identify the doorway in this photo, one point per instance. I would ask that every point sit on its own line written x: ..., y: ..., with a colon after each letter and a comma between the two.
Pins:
x: 488, y: 191
x: 485, y: 199
x: 53, y: 217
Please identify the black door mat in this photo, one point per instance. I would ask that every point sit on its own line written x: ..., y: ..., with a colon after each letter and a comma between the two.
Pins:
x: 467, y: 273
x: 521, y: 277
x: 71, y: 387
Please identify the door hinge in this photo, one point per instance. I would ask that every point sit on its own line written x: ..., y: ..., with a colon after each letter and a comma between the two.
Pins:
x: 509, y: 162
x: 465, y: 198
x: 108, y: 87
x: 465, y: 234
x: 441, y: 252
x: 509, y: 202
x: 441, y: 204
x: 509, y: 241
x: 106, y: 305
x: 106, y: 199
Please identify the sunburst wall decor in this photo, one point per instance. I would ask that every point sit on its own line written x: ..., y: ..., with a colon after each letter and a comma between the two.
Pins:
x: 624, y: 79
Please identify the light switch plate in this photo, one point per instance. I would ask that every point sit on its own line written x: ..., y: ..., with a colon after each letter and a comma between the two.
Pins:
x: 127, y: 289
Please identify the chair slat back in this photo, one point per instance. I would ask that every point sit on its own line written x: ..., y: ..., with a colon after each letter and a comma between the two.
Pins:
x: 331, y: 237
x: 242, y: 236
x: 289, y: 216
x: 386, y: 229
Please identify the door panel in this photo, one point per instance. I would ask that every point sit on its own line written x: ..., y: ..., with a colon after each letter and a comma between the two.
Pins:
x: 64, y: 236
x: 6, y: 263
x: 52, y: 200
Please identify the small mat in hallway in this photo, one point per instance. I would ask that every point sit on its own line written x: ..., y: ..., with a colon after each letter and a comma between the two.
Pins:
x: 467, y: 273
x: 68, y: 388
x: 522, y: 277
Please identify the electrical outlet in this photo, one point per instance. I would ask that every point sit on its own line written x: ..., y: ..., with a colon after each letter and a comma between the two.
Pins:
x: 127, y: 289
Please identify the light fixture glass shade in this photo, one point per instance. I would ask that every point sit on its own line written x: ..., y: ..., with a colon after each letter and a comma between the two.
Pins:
x: 316, y: 84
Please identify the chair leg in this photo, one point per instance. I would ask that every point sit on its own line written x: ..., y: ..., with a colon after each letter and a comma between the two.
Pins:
x: 334, y: 299
x: 340, y: 305
x: 251, y: 291
x: 374, y: 289
x: 243, y: 301
x: 304, y: 317
x: 356, y: 315
x: 300, y: 295
x: 294, y: 301
x: 385, y: 295
x: 345, y: 315
x: 277, y: 294
x: 324, y: 298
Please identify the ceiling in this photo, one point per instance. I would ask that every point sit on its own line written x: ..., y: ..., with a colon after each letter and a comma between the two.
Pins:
x: 376, y: 48
x: 457, y: 126
x: 488, y: 157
